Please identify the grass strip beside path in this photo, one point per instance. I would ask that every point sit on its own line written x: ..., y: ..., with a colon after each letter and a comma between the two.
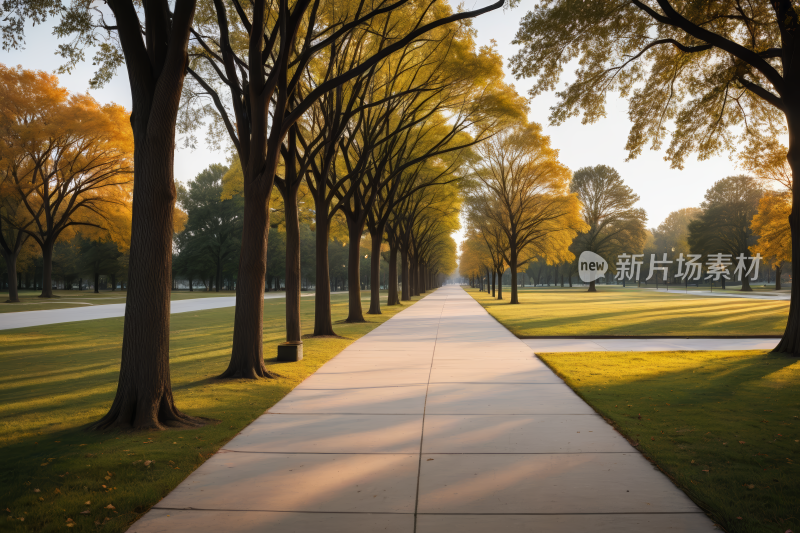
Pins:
x: 725, y: 426
x: 57, y: 379
x: 635, y: 312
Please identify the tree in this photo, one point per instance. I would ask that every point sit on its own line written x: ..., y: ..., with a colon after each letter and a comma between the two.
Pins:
x: 615, y: 225
x: 151, y: 40
x: 68, y: 161
x: 673, y: 233
x: 98, y: 258
x: 771, y: 224
x: 522, y: 190
x: 282, y: 40
x: 722, y: 72
x: 724, y: 226
x: 13, y: 237
x: 214, y: 225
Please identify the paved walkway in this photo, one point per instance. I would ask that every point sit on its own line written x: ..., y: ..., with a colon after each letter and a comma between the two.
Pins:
x: 24, y: 319
x: 439, y: 420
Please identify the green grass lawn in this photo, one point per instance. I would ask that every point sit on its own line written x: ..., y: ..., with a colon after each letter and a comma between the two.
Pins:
x: 725, y: 426
x: 57, y: 379
x: 617, y: 311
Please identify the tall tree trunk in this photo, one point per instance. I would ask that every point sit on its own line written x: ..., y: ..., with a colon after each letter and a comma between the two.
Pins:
x: 247, y: 354
x: 11, y: 267
x: 405, y: 270
x: 790, y: 342
x: 778, y: 270
x: 746, y: 280
x: 293, y: 332
x: 414, y: 275
x: 144, y: 392
x: 592, y: 287
x: 513, y: 267
x: 494, y: 287
x: 375, y: 272
x: 96, y: 283
x: 322, y: 300
x: 356, y: 314
x: 393, y: 298
x: 499, y: 284
x: 47, y: 270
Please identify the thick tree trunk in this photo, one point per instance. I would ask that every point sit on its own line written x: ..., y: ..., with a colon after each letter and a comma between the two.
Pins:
x: 356, y: 313
x: 591, y: 287
x: 11, y: 267
x: 778, y: 270
x: 247, y: 354
x: 96, y: 283
x: 790, y: 342
x: 322, y: 298
x: 414, y: 276
x: 494, y: 288
x: 513, y: 267
x: 293, y: 280
x: 375, y: 273
x: 393, y: 298
x: 499, y: 284
x: 405, y: 271
x: 47, y: 270
x: 144, y: 393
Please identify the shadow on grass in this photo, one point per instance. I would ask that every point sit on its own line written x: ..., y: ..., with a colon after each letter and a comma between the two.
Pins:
x: 723, y: 426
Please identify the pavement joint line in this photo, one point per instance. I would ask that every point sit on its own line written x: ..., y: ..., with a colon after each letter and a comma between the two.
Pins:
x: 425, y: 453
x: 431, y: 383
x: 633, y: 513
x: 441, y: 414
x: 424, y: 408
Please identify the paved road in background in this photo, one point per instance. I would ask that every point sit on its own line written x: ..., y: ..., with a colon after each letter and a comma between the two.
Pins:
x: 24, y: 319
x: 438, y: 420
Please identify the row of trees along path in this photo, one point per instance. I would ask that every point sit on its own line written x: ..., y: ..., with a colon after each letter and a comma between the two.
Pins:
x: 279, y: 49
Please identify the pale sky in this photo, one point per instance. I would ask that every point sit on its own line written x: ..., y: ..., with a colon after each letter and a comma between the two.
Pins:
x: 661, y: 189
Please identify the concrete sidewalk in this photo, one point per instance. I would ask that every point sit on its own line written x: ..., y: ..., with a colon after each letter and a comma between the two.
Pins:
x: 439, y: 420
x: 25, y: 319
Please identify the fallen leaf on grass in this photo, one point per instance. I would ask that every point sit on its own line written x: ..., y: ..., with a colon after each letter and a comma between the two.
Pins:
x: 741, y: 442
x: 87, y: 503
x: 108, y: 478
x: 36, y: 490
x: 705, y: 470
x: 148, y: 462
x: 109, y: 506
x: 85, y: 512
x: 751, y: 486
x: 56, y: 491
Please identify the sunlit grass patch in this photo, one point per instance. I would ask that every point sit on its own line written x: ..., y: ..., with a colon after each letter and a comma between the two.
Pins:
x: 725, y: 426
x: 617, y: 311
x: 57, y: 379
